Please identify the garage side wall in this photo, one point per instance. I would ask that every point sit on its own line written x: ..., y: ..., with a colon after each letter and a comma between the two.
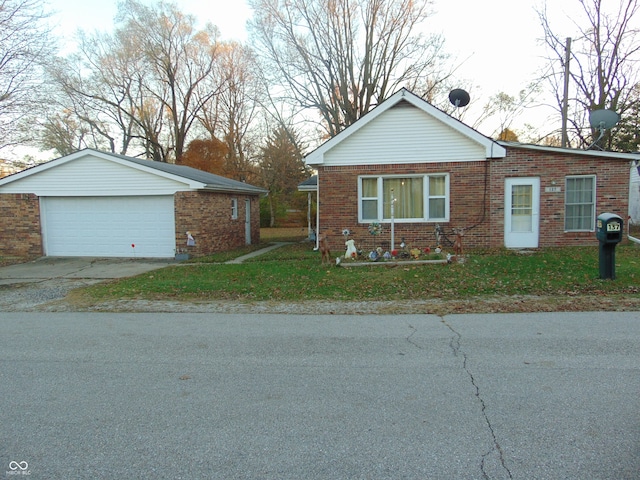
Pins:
x: 208, y: 216
x: 20, y: 230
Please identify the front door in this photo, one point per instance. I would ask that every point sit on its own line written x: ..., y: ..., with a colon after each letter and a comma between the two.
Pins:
x: 522, y: 212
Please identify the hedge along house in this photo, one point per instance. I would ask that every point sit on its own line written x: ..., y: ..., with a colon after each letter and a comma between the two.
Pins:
x: 97, y: 204
x: 438, y: 171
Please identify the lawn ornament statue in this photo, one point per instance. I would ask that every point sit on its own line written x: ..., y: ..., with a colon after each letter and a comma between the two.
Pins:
x: 457, y: 244
x: 323, y: 246
x: 351, y: 252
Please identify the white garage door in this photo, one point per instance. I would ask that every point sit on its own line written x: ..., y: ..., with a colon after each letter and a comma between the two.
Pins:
x: 108, y: 226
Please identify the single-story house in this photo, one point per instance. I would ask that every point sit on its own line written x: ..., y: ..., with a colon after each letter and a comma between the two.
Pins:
x: 410, y: 168
x: 98, y: 204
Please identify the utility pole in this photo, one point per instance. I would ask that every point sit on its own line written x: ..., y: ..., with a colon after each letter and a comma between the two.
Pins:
x: 565, y: 101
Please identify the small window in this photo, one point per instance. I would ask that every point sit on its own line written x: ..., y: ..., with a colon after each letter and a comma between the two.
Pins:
x: 234, y: 209
x: 580, y: 203
x: 370, y: 199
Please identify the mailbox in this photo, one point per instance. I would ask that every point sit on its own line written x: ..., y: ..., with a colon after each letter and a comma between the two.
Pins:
x: 609, y: 234
x: 609, y: 228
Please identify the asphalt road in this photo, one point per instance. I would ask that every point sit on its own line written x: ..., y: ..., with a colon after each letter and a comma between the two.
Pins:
x: 154, y: 396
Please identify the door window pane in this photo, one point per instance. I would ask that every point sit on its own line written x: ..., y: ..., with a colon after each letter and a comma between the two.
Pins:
x: 521, y: 208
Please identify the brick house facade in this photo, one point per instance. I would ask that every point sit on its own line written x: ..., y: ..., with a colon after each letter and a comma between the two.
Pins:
x: 483, y: 179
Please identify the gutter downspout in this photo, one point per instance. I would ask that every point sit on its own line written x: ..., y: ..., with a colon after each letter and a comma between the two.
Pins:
x: 317, y: 213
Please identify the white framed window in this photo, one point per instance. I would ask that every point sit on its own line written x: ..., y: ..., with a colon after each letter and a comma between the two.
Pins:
x: 416, y: 198
x: 234, y: 209
x: 580, y: 203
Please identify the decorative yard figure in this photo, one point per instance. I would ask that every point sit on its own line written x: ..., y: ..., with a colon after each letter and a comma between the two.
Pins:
x: 457, y: 244
x: 191, y: 242
x: 438, y: 233
x: 351, y: 252
x: 323, y: 246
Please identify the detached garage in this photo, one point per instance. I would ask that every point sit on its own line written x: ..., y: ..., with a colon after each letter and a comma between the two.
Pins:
x: 98, y: 204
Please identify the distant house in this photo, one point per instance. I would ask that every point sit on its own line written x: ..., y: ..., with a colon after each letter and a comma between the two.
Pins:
x: 435, y: 171
x: 98, y: 204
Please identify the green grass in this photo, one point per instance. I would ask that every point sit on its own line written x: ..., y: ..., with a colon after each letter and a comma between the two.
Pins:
x: 294, y: 273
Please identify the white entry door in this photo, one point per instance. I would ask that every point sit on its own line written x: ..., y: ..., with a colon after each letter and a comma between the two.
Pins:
x: 522, y: 212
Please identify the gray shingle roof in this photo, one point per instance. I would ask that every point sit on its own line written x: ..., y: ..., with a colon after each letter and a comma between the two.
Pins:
x: 310, y: 184
x: 212, y: 181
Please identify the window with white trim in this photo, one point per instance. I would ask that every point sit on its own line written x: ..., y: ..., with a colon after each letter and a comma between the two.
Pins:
x: 234, y: 209
x: 580, y: 203
x: 416, y: 198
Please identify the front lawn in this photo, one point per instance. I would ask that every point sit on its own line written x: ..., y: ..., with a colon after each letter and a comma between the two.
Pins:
x: 293, y: 273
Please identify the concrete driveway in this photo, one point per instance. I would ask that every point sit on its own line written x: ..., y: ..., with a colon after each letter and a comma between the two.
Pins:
x: 50, y: 268
x: 27, y: 286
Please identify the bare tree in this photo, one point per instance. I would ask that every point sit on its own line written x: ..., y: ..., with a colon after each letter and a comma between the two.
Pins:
x: 603, y: 62
x: 343, y: 57
x: 62, y: 133
x: 506, y: 109
x: 146, y: 82
x: 25, y: 44
x: 231, y: 114
x: 101, y: 85
x: 179, y: 57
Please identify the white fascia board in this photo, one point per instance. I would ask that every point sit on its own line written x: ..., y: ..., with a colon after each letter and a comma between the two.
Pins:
x: 574, y: 151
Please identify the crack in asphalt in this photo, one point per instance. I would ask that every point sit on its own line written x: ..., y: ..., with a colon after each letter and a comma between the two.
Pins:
x: 454, y: 343
x: 414, y: 330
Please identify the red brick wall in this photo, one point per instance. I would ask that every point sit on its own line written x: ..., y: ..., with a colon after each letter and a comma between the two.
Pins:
x: 20, y: 231
x: 207, y: 215
x: 339, y: 209
x: 480, y: 210
x: 612, y: 190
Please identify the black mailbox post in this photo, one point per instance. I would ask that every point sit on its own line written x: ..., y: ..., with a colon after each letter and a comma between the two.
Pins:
x: 609, y: 234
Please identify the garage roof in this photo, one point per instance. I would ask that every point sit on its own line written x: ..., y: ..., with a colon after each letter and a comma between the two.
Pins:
x: 194, y: 178
x: 210, y: 180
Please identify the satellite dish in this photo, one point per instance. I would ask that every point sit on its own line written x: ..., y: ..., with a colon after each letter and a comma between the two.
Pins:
x: 603, y: 119
x: 459, y: 97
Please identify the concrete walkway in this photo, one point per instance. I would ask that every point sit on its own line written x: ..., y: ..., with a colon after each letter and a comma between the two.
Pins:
x: 257, y: 253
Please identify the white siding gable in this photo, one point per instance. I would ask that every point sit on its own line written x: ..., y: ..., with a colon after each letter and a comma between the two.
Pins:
x: 90, y: 175
x: 404, y: 134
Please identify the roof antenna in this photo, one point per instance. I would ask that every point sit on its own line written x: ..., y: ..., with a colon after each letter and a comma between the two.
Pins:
x: 459, y: 98
x: 602, y: 120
